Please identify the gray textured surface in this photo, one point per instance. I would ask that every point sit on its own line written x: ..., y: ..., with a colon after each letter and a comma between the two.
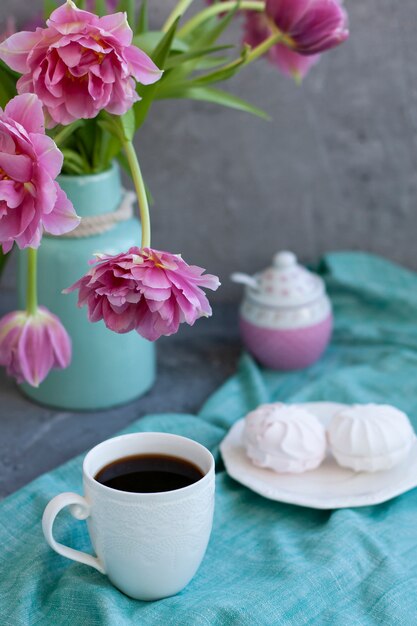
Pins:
x: 335, y: 169
x: 191, y: 365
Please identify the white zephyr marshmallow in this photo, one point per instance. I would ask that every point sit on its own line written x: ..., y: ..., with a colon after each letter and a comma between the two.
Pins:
x: 370, y: 437
x: 284, y: 438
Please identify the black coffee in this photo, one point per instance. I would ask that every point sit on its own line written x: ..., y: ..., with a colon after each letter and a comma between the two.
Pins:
x: 149, y: 473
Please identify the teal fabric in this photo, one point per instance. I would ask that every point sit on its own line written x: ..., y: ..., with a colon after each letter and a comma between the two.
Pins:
x: 267, y: 562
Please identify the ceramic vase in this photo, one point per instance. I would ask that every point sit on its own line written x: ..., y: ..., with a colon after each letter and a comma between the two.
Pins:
x: 107, y: 369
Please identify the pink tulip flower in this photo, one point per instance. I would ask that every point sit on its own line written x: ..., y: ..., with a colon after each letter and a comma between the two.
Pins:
x: 80, y: 64
x: 258, y: 28
x: 145, y: 290
x: 30, y: 199
x: 308, y: 26
x: 31, y: 345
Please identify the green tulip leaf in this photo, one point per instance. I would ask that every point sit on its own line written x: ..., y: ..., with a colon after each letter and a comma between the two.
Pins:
x: 148, y: 42
x: 159, y: 56
x: 143, y: 19
x: 178, y: 59
x: 128, y: 124
x: 208, y: 33
x: 215, y: 96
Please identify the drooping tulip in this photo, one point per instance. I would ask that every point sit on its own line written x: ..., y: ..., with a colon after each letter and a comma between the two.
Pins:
x: 80, y: 64
x: 257, y: 28
x: 309, y: 26
x: 32, y: 345
x: 30, y: 198
x: 306, y: 28
x: 145, y: 290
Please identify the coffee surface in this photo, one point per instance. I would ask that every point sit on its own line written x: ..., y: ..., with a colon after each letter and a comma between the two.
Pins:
x: 149, y: 473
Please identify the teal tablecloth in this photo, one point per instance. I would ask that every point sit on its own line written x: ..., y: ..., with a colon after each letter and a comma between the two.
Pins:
x: 267, y: 562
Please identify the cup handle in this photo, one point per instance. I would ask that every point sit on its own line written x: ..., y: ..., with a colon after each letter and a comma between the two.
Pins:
x: 80, y: 509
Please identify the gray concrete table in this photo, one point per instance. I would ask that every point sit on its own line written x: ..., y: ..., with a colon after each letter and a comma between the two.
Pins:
x: 191, y: 365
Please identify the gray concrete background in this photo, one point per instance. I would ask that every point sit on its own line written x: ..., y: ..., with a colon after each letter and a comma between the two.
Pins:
x: 336, y: 168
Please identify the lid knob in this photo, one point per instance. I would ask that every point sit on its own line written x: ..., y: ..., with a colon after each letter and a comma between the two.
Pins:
x: 284, y: 259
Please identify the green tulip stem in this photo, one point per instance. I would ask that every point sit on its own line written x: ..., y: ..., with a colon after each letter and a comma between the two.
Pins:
x: 220, y: 7
x: 179, y: 10
x: 141, y: 193
x: 31, y: 284
x: 263, y: 47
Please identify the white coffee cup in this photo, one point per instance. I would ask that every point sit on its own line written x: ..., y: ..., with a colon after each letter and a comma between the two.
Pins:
x: 149, y: 545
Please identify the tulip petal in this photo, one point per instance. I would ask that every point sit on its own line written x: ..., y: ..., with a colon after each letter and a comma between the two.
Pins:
x: 49, y: 157
x: 56, y: 71
x: 117, y: 25
x: 59, y: 340
x: 291, y: 63
x: 63, y: 218
x: 20, y: 224
x: 118, y: 323
x: 6, y: 142
x: 11, y: 193
x: 46, y: 191
x: 70, y: 54
x: 79, y: 103
x: 14, y: 51
x: 6, y: 246
x: 141, y: 66
x: 67, y: 19
x: 8, y: 340
x: 27, y: 111
x: 156, y: 278
x: 287, y: 13
x: 17, y: 166
x: 34, y: 353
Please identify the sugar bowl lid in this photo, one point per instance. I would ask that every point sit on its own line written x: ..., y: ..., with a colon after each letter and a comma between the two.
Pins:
x: 284, y: 284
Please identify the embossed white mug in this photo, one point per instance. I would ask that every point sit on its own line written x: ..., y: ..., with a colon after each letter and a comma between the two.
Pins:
x: 149, y: 545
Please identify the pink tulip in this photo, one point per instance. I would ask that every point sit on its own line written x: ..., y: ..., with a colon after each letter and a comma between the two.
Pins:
x: 145, y: 290
x: 30, y: 199
x: 290, y: 63
x: 308, y: 26
x: 80, y: 64
x: 31, y: 345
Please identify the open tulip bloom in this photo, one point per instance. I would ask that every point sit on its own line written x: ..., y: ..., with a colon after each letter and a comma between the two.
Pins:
x: 99, y: 74
x: 145, y: 290
x: 30, y: 199
x: 80, y: 64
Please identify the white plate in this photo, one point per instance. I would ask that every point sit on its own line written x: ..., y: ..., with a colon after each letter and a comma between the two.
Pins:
x: 327, y: 487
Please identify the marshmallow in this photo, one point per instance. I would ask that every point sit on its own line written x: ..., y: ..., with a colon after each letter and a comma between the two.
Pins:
x: 370, y: 437
x: 284, y: 438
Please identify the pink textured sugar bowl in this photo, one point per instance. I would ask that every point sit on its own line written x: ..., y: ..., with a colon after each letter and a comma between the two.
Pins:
x: 286, y: 317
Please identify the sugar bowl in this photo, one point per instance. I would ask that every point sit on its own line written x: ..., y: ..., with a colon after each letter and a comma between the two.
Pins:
x: 286, y: 316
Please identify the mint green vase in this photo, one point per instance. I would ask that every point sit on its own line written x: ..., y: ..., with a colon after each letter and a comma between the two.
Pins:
x: 107, y: 369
